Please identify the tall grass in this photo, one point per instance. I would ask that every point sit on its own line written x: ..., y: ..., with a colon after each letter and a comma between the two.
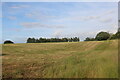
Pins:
x: 61, y: 60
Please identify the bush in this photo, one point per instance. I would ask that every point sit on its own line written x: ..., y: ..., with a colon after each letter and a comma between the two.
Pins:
x: 8, y: 42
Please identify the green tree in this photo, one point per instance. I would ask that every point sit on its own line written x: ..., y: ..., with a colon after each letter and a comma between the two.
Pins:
x: 33, y: 40
x: 37, y: 40
x: 116, y: 35
x: 8, y: 42
x: 102, y: 36
x: 76, y: 39
x: 29, y: 40
x: 70, y: 39
x: 89, y: 39
x: 64, y: 40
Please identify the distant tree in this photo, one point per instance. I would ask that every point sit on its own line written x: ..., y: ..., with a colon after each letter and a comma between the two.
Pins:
x: 70, y: 39
x: 29, y: 40
x: 76, y: 39
x: 43, y: 40
x: 89, y: 39
x: 33, y: 40
x: 102, y: 36
x: 8, y: 42
x: 116, y: 35
x: 64, y: 40
x: 52, y: 40
x: 37, y: 40
x: 40, y: 40
x: 47, y: 40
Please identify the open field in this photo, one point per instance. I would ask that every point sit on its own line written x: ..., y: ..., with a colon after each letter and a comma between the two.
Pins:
x: 92, y: 59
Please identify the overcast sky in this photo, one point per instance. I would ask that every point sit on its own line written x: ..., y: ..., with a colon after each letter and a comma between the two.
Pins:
x: 57, y: 19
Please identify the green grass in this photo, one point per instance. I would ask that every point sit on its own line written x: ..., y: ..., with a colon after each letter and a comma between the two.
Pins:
x: 92, y: 59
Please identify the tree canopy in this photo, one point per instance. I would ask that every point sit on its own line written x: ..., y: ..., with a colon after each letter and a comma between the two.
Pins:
x: 89, y: 39
x: 44, y: 40
x: 8, y: 42
x: 117, y: 35
x: 102, y: 36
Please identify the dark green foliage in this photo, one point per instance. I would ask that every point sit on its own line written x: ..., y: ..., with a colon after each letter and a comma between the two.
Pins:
x: 28, y: 40
x: 37, y: 41
x: 116, y: 35
x: 105, y: 36
x: 31, y: 40
x: 89, y: 39
x: 64, y: 39
x: 70, y: 39
x: 44, y: 40
x: 102, y: 36
x: 75, y: 39
x: 8, y: 42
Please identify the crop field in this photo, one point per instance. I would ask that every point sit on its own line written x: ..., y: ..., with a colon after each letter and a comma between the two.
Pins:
x: 91, y: 59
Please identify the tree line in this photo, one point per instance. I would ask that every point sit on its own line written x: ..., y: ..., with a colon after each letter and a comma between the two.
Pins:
x: 104, y: 36
x: 99, y: 37
x: 44, y: 40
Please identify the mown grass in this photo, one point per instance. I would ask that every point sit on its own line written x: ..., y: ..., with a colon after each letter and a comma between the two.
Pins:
x: 96, y: 59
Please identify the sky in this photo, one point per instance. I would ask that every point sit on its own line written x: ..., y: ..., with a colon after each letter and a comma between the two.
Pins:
x: 21, y: 20
x: 59, y: 0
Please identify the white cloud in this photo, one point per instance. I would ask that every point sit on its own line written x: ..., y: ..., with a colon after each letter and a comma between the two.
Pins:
x: 38, y: 25
x: 106, y: 20
x: 81, y: 35
x: 102, y: 17
x: 57, y: 33
x: 19, y: 6
x: 39, y: 15
x: 114, y: 28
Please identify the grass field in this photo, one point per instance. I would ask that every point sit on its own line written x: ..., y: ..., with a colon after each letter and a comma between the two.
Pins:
x: 92, y: 59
